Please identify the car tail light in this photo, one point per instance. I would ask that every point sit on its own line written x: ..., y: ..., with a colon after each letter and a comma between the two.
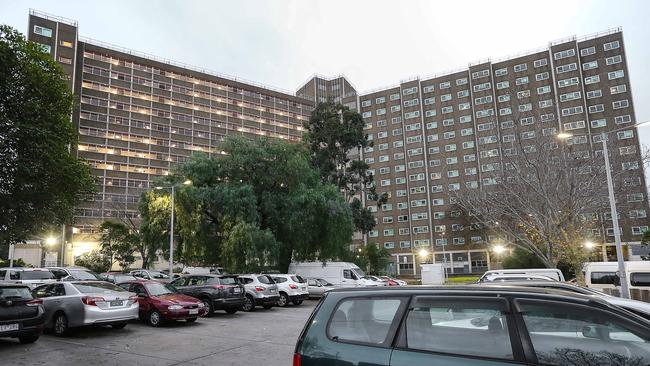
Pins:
x: 293, y: 286
x: 35, y: 302
x: 259, y: 288
x: 296, y: 359
x: 92, y: 301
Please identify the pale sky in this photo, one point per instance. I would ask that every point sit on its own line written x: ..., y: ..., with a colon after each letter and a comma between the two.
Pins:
x: 373, y: 43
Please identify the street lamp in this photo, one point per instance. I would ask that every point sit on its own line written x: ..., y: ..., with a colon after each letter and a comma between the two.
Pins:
x: 423, y: 253
x: 50, y: 240
x: 171, y: 231
x: 499, y: 249
x: 625, y: 291
x: 590, y: 245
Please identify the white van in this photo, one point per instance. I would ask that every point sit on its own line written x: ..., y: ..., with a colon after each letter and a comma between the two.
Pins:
x: 552, y: 273
x: 601, y: 275
x: 340, y: 274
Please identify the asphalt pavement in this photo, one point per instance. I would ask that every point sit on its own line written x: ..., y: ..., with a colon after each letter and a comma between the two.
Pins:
x: 262, y: 337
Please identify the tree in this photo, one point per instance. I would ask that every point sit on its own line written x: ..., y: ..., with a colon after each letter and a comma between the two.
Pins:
x: 153, y: 232
x: 94, y: 261
x: 542, y: 194
x: 520, y: 258
x: 373, y: 258
x: 118, y: 243
x: 260, y: 204
x: 41, y: 180
x: 334, y: 133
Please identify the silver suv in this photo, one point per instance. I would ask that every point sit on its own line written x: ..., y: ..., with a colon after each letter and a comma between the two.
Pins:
x: 260, y: 290
x: 292, y: 288
x: 31, y: 277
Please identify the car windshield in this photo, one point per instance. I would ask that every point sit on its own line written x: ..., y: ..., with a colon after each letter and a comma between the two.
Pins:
x: 265, y: 280
x: 298, y: 279
x: 83, y: 275
x: 122, y: 278
x: 158, y: 289
x: 158, y: 275
x: 36, y: 275
x: 358, y: 272
x: 323, y: 282
x: 15, y: 293
x: 228, y: 280
x: 97, y: 287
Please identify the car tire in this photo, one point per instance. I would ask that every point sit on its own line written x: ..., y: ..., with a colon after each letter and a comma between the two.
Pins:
x: 60, y: 325
x: 154, y: 319
x: 267, y: 306
x: 231, y: 310
x: 28, y: 338
x: 297, y: 302
x: 118, y: 325
x: 283, y: 301
x: 190, y: 320
x: 208, y: 306
x: 249, y: 303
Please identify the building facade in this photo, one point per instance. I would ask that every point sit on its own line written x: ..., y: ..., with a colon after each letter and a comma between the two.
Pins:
x: 138, y: 115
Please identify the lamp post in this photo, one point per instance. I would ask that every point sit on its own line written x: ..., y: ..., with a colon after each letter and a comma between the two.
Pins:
x: 171, y: 231
x: 625, y: 291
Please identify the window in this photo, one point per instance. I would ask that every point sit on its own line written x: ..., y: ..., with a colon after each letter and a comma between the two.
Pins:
x: 395, y: 108
x: 409, y: 91
x: 540, y: 62
x: 448, y: 122
x: 587, y: 51
x: 543, y: 89
x: 394, y: 97
x: 566, y: 68
x: 503, y: 85
x: 382, y: 134
x: 396, y: 120
x: 480, y: 87
x: 620, y: 104
x: 623, y: 119
x: 448, y: 326
x: 614, y: 60
x: 590, y: 65
x: 430, y: 113
x: 570, y: 96
x: 541, y: 76
x: 508, y: 138
x: 363, y: 320
x: 366, y: 114
x: 545, y: 103
x: 564, y: 54
x: 574, y: 125
x: 65, y: 60
x: 412, y: 114
x: 594, y: 94
x: 432, y: 137
x: 398, y: 156
x: 480, y: 74
x: 596, y: 108
x: 432, y: 125
x: 445, y: 85
x: 523, y: 94
x: 366, y: 103
x: 463, y: 94
x: 465, y: 119
x: 611, y: 46
x: 520, y: 67
x: 598, y: 123
x: 525, y: 107
x: 623, y: 135
x: 501, y: 72
x: 447, y: 109
x: 461, y: 81
x: 397, y: 132
x: 615, y: 74
x: 468, y: 145
x: 567, y: 82
x: 618, y: 89
x: 592, y: 79
x: 565, y: 334
x: 483, y: 100
x: 507, y: 124
x: 429, y: 101
x: 45, y: 32
x: 522, y: 80
x: 572, y: 110
x: 427, y: 89
x: 411, y: 102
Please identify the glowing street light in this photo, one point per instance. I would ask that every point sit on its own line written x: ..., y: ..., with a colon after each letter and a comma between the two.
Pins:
x: 423, y: 253
x: 499, y: 249
x: 589, y: 245
x: 564, y: 135
x: 50, y: 240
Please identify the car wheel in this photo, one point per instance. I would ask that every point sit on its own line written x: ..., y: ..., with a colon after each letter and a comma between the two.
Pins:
x: 118, y: 326
x: 155, y: 319
x: 28, y: 338
x: 190, y: 320
x: 231, y: 311
x: 207, y: 303
x: 283, y: 301
x: 249, y: 303
x: 267, y: 306
x: 60, y: 324
x: 297, y: 302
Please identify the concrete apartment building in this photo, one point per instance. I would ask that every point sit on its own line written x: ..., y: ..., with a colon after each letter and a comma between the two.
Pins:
x: 138, y: 115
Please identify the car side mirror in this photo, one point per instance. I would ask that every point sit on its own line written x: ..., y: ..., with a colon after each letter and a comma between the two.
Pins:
x: 590, y: 331
x: 320, y: 285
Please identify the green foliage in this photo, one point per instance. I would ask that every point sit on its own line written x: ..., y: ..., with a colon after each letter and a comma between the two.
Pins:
x: 372, y: 258
x: 94, y: 261
x: 42, y: 180
x: 520, y: 258
x: 334, y: 131
x: 153, y: 235
x: 18, y: 262
x: 259, y: 205
x: 118, y: 243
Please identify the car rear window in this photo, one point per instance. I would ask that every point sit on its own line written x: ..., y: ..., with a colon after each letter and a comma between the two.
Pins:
x: 604, y: 278
x: 36, y: 275
x: 640, y: 279
x: 15, y: 293
x: 84, y: 275
x: 97, y: 287
x: 297, y: 279
x: 279, y: 279
x: 265, y: 279
x: 363, y: 320
x: 228, y: 280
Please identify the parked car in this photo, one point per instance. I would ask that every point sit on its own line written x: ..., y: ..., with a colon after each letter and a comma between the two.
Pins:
x: 291, y: 288
x: 260, y: 289
x: 394, y: 281
x: 602, y: 275
x: 160, y: 302
x: 640, y: 308
x: 470, y: 325
x: 318, y: 286
x: 31, y: 277
x: 217, y: 292
x: 552, y: 273
x: 514, y: 278
x: 375, y: 281
x: 116, y: 277
x: 146, y: 274
x: 21, y: 316
x: 73, y: 273
x: 79, y: 303
x: 341, y: 274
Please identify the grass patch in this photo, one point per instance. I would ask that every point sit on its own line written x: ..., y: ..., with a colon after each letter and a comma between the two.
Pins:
x: 462, y: 280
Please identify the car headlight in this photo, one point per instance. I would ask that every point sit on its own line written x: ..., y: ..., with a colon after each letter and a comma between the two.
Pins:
x: 201, y: 305
x: 174, y: 307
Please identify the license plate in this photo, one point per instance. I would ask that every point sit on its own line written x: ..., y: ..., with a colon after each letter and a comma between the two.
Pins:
x: 116, y: 303
x: 236, y: 290
x: 8, y: 327
x: 194, y: 311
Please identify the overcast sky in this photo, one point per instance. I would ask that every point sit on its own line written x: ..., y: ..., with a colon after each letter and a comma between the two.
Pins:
x: 373, y: 43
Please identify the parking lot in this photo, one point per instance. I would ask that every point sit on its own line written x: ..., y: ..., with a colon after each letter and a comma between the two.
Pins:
x: 262, y: 337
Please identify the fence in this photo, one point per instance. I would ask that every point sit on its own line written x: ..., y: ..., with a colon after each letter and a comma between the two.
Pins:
x: 636, y: 294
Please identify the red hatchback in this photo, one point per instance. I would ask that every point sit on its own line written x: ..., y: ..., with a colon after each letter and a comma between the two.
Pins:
x: 160, y: 302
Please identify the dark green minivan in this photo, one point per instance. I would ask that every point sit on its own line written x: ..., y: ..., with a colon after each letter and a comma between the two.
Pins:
x: 468, y: 325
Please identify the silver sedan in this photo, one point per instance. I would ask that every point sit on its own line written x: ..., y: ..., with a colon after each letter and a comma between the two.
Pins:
x: 80, y: 303
x: 318, y: 286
